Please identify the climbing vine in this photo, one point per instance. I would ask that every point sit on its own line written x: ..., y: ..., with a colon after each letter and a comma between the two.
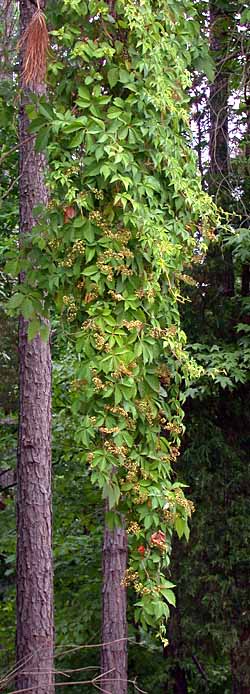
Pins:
x: 110, y: 257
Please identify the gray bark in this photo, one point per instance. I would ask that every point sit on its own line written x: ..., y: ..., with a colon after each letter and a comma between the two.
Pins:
x: 114, y: 619
x: 7, y: 479
x: 34, y: 636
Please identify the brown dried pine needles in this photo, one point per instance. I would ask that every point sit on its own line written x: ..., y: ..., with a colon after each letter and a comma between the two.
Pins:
x: 35, y: 42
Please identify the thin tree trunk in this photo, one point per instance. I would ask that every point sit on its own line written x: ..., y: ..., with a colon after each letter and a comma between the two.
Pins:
x: 218, y: 102
x: 219, y: 153
x: 245, y: 281
x: 114, y: 666
x: 8, y: 18
x: 179, y: 677
x: 114, y: 620
x: 176, y: 681
x: 34, y: 637
x: 240, y: 664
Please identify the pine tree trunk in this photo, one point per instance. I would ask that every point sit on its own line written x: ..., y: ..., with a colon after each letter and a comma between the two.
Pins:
x: 34, y: 637
x: 114, y: 666
x: 114, y: 619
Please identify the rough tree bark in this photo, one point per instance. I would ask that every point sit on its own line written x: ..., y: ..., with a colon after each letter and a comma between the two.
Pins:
x: 114, y: 619
x: 34, y: 636
x: 114, y: 665
x: 8, y: 19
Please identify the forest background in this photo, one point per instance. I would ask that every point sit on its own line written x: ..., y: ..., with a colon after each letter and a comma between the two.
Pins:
x: 208, y: 630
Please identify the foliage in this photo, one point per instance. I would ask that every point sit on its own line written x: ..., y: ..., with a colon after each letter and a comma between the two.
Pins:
x: 129, y: 161
x: 8, y: 541
x: 213, y: 571
x: 126, y: 202
x: 210, y: 643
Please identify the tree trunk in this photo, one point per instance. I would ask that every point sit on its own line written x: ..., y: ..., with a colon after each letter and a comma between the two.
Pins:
x: 176, y: 682
x: 34, y: 637
x: 245, y: 282
x: 218, y: 102
x: 114, y: 617
x: 240, y: 664
x: 179, y: 679
x: 8, y: 18
x: 114, y: 620
x: 219, y: 153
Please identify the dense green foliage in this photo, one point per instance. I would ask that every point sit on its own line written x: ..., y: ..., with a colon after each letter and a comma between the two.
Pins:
x: 126, y: 204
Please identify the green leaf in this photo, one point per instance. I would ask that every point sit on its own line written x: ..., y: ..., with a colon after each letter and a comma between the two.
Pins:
x: 89, y: 271
x: 112, y: 493
x: 46, y: 111
x: 180, y: 525
x: 118, y: 395
x: 114, y: 113
x: 127, y: 486
x: 27, y: 308
x: 89, y: 253
x: 158, y: 609
x: 105, y: 171
x: 78, y: 124
x: 113, y: 76
x: 12, y: 267
x: 148, y: 522
x: 77, y: 139
x: 33, y: 329
x: 153, y: 382
x: 124, y: 76
x: 16, y: 300
x: 169, y: 595
x: 99, y: 153
x: 84, y: 93
x: 167, y: 584
x: 44, y: 332
x: 113, y: 520
x: 42, y: 139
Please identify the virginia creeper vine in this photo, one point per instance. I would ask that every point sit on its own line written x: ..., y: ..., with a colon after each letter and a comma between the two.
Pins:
x: 125, y: 213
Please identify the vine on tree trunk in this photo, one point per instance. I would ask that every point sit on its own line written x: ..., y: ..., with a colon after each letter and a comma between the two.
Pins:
x: 125, y: 213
